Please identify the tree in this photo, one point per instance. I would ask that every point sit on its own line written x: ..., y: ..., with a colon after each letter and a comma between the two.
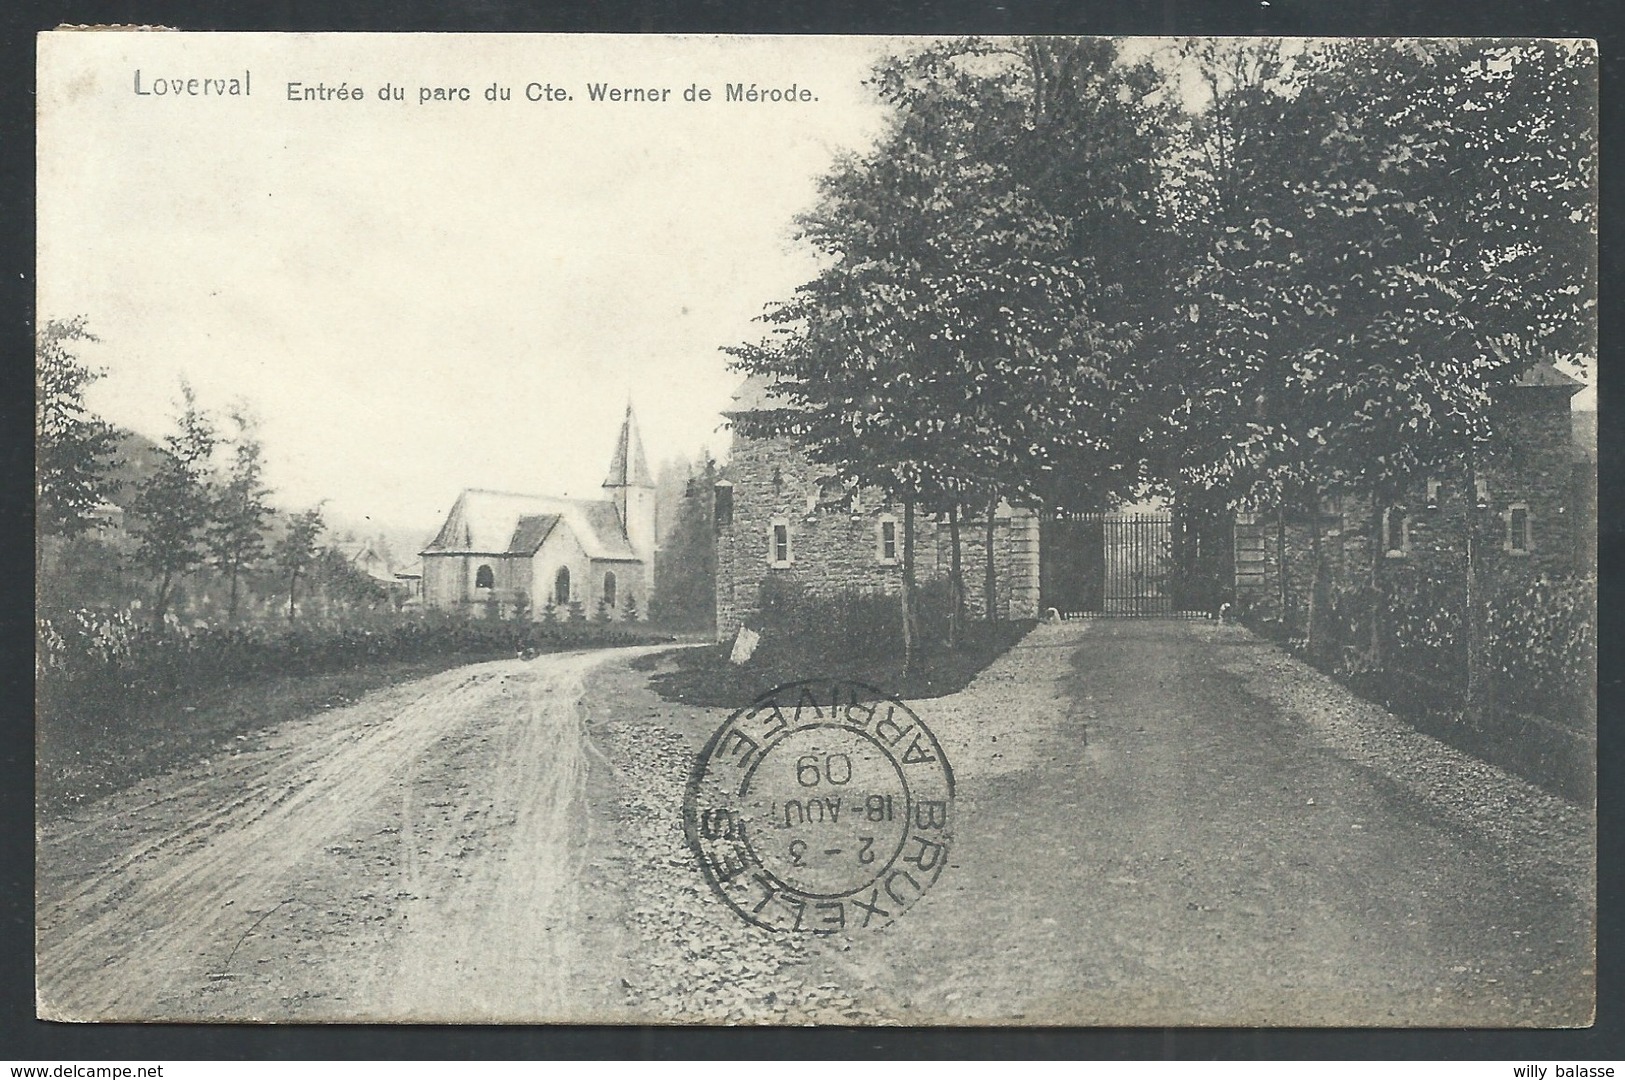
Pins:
x: 1379, y: 237
x: 954, y: 342
x: 686, y: 561
x: 672, y: 481
x: 241, y: 513
x: 295, y: 551
x: 343, y: 583
x: 172, y: 508
x: 73, y: 447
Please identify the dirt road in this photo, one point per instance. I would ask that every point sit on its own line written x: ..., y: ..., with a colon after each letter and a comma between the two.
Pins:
x: 1157, y: 823
x: 412, y: 855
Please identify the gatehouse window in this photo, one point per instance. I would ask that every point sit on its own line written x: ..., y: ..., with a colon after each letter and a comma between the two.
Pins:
x: 1396, y: 532
x: 609, y: 589
x: 833, y: 494
x: 561, y: 586
x: 1520, y: 538
x: 779, y: 553
x: 724, y: 509
x: 485, y: 578
x: 887, y: 536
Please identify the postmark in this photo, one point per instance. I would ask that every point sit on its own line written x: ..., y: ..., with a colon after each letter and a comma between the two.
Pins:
x: 823, y: 806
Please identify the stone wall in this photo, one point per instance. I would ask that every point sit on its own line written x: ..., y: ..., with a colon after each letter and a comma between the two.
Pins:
x: 1015, y: 561
x: 835, y: 539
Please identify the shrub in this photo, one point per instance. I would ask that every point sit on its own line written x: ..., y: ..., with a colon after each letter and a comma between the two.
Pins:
x: 850, y: 622
x: 90, y: 661
x: 1425, y: 624
x: 1408, y: 642
x: 1348, y: 627
x: 1541, y: 639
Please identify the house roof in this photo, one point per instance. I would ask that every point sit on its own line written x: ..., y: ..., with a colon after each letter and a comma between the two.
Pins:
x: 365, y: 557
x: 756, y: 394
x: 503, y: 522
x: 628, y: 467
x: 1545, y: 373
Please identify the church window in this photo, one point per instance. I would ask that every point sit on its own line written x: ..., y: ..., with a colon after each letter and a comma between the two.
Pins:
x: 609, y: 589
x: 561, y: 586
x: 779, y: 543
x: 485, y: 578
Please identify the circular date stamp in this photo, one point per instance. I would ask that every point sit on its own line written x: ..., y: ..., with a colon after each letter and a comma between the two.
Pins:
x: 821, y: 806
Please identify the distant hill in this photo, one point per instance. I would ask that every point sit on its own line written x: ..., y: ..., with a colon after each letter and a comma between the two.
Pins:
x: 138, y: 457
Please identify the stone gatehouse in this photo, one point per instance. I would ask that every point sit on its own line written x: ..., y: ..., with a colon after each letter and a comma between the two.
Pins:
x: 780, y: 515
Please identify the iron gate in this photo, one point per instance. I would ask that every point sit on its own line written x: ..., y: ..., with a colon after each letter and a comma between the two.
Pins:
x: 1108, y: 564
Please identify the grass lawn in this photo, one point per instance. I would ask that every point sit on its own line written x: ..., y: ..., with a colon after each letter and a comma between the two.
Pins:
x: 705, y: 677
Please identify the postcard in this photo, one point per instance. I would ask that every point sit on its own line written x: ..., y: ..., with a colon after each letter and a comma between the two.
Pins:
x: 816, y: 530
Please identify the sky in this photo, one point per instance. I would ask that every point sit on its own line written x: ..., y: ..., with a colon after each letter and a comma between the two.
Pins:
x: 418, y: 297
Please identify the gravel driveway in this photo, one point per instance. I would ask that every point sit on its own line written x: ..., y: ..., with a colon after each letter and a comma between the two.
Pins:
x: 1159, y: 823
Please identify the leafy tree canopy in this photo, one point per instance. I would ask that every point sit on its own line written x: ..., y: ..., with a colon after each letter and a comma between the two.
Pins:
x: 74, y: 450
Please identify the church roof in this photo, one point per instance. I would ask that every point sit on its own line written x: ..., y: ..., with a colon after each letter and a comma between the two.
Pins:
x: 507, y: 523
x: 628, y: 467
x: 529, y: 533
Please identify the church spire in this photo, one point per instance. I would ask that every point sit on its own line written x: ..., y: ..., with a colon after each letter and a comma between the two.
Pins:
x: 628, y: 467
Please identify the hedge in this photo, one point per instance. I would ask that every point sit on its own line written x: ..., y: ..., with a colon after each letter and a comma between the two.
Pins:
x: 97, y: 659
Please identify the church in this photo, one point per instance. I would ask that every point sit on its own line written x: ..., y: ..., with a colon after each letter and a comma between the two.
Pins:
x: 505, y: 555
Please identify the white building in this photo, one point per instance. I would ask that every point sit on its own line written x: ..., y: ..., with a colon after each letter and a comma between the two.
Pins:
x: 500, y: 554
